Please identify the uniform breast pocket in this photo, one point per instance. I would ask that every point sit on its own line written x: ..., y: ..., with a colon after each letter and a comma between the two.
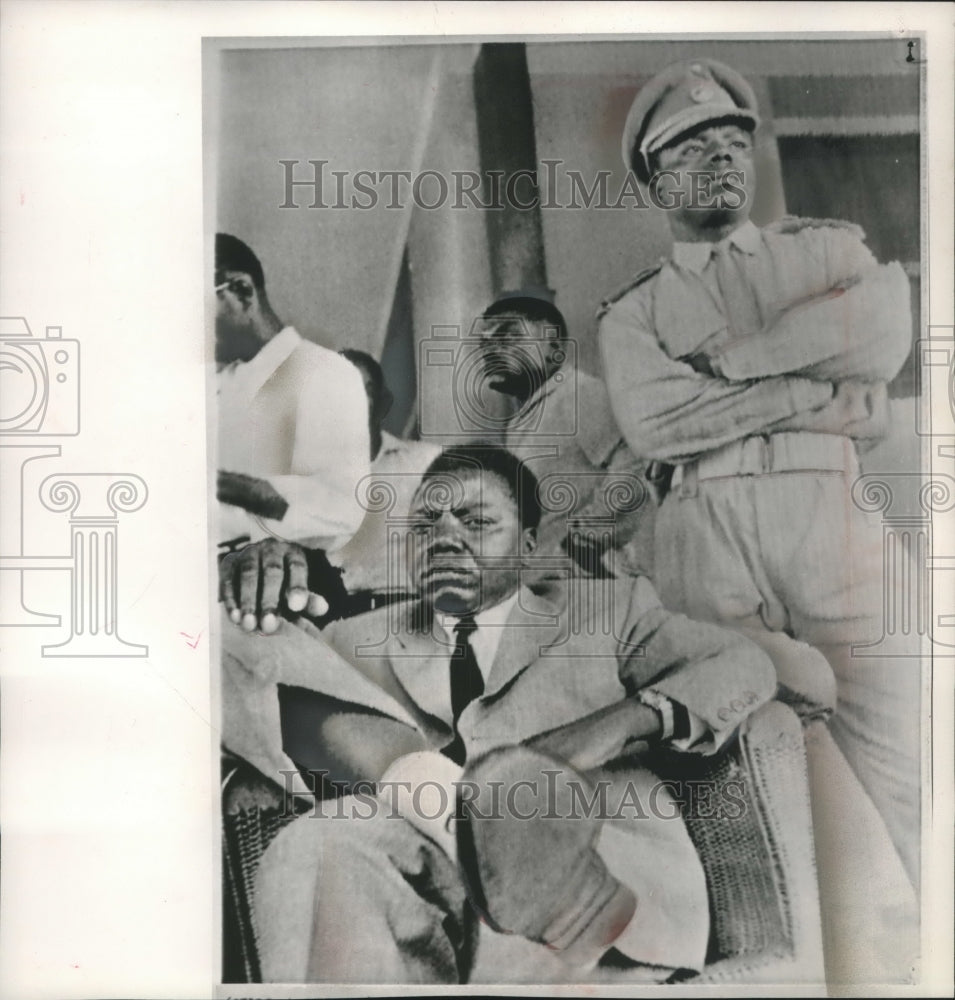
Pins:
x: 687, y: 318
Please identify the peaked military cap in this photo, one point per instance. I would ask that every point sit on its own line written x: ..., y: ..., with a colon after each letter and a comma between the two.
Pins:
x: 679, y: 98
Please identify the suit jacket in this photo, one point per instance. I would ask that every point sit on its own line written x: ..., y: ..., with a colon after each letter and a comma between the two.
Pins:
x: 376, y: 688
x: 381, y: 680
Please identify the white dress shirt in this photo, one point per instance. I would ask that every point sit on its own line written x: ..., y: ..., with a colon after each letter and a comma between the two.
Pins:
x: 295, y: 415
x: 487, y: 636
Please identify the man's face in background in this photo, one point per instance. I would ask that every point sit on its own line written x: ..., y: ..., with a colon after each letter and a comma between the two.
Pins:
x: 519, y: 354
x: 466, y: 541
x: 235, y: 333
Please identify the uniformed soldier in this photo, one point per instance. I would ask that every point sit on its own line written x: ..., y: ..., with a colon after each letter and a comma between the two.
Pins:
x: 753, y: 363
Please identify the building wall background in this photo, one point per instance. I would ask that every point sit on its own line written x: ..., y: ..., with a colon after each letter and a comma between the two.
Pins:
x: 839, y: 137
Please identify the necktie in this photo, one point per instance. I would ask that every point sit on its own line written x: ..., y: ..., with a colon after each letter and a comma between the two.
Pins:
x: 739, y: 299
x: 467, y: 682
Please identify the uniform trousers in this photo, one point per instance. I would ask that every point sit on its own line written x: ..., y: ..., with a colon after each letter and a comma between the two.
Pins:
x: 788, y: 553
x: 789, y: 560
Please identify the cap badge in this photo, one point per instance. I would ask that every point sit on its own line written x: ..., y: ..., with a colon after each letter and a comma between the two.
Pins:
x: 702, y: 93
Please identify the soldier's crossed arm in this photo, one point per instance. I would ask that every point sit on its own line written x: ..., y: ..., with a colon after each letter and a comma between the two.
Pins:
x: 853, y: 319
x: 668, y: 411
x: 858, y: 330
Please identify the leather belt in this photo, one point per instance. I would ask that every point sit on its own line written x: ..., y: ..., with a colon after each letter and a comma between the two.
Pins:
x: 763, y: 454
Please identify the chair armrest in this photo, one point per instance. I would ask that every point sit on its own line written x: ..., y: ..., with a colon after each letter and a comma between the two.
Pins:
x: 771, y: 754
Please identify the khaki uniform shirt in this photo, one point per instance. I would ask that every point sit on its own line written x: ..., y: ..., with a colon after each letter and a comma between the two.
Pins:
x: 779, y: 313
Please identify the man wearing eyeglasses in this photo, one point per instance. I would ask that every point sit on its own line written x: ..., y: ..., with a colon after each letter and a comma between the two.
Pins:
x: 293, y: 418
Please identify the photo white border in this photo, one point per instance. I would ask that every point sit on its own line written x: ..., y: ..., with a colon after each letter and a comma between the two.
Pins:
x: 109, y: 885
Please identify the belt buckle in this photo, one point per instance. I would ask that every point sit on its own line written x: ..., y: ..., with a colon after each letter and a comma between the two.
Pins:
x: 756, y: 457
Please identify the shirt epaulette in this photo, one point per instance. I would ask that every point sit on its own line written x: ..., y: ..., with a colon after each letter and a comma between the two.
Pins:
x: 635, y: 282
x: 796, y: 223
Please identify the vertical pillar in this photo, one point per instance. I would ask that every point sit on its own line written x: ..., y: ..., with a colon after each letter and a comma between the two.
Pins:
x: 505, y: 121
x: 448, y: 257
x: 94, y: 502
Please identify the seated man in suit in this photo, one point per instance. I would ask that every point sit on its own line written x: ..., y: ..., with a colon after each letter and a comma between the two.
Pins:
x: 584, y: 863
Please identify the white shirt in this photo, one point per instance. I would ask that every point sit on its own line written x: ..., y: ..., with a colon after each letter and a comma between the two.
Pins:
x: 486, y: 638
x: 296, y: 415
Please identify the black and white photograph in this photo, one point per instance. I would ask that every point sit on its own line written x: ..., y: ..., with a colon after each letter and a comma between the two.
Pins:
x: 478, y: 499
x: 564, y: 393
